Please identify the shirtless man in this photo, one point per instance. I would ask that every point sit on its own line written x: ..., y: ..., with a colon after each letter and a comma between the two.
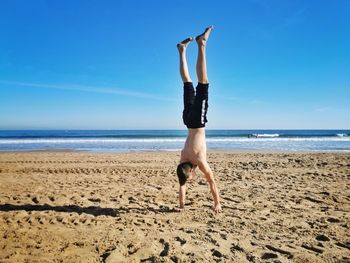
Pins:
x: 194, y: 153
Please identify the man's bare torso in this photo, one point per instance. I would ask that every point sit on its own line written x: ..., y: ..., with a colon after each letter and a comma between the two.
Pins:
x: 195, y: 148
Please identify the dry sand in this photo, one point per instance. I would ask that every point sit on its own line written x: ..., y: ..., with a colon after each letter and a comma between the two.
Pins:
x: 86, y: 207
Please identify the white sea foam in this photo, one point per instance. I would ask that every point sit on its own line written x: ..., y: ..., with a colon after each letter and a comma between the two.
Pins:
x: 265, y: 135
x: 342, y: 135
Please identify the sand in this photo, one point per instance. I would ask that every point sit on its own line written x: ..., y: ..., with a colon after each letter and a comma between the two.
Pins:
x: 94, y: 207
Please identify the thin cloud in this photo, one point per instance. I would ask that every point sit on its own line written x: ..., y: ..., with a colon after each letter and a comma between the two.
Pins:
x: 233, y: 98
x: 256, y: 102
x: 322, y: 109
x: 95, y: 89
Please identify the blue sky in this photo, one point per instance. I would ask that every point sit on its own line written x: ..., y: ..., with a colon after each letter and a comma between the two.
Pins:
x: 114, y: 64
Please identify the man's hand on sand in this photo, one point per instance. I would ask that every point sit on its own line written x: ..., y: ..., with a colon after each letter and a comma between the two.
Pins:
x: 179, y: 209
x: 217, y: 208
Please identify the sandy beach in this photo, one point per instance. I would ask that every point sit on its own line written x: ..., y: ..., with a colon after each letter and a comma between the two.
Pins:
x: 94, y: 207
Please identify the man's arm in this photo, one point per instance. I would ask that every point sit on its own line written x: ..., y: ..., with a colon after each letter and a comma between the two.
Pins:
x: 205, y: 168
x: 182, y: 196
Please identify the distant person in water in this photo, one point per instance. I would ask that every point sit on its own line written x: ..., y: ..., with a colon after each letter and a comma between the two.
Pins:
x: 194, y: 153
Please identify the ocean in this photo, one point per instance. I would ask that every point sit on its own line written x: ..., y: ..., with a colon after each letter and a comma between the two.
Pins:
x: 173, y: 140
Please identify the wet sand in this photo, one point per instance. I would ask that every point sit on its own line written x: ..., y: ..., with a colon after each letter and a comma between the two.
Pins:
x: 94, y: 207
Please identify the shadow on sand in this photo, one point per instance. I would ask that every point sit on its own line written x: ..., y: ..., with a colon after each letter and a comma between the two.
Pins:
x: 92, y: 210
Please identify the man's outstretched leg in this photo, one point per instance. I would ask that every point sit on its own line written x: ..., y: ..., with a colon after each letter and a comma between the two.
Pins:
x: 200, y: 104
x: 189, y: 93
x: 185, y: 75
x: 201, y: 66
x: 202, y: 100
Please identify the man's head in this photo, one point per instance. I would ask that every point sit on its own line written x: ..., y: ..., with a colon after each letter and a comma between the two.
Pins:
x: 184, y: 171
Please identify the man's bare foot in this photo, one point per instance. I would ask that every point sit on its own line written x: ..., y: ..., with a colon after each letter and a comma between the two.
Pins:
x: 202, y: 38
x: 182, y: 45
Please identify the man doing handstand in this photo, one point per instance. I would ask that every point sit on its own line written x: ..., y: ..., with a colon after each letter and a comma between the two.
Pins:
x: 194, y: 153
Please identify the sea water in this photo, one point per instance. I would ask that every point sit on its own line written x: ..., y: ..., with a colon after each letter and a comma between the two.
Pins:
x: 173, y: 140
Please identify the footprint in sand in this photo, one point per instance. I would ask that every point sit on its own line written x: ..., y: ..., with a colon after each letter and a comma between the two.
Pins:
x: 268, y: 255
x: 236, y: 247
x: 343, y: 245
x: 74, y: 221
x: 333, y: 220
x: 165, y: 251
x: 35, y: 200
x: 281, y: 251
x: 216, y: 253
x: 312, y: 248
x: 133, y: 248
x: 95, y: 200
x: 322, y: 237
x: 182, y: 241
x: 212, y: 240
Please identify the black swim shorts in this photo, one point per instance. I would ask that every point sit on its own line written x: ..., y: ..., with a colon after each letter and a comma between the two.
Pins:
x: 195, y: 110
